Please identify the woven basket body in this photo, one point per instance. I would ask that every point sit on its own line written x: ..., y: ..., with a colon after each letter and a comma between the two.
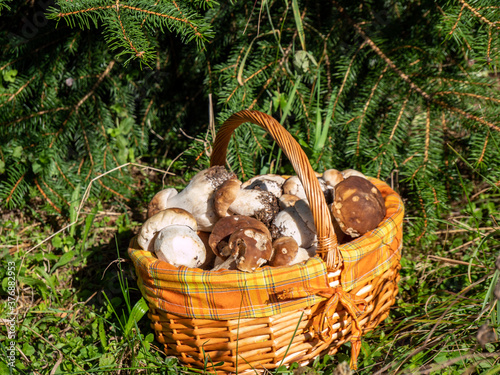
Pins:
x: 360, y: 284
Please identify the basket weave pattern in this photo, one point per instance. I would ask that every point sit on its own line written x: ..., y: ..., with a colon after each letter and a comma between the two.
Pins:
x: 298, y: 335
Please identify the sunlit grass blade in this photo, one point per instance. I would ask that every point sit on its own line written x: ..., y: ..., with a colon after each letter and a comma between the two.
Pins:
x: 298, y: 23
x: 138, y: 311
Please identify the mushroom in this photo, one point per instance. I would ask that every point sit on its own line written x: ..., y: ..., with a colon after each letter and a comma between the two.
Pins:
x: 358, y: 207
x: 161, y: 220
x: 197, y: 197
x: 294, y: 186
x: 210, y: 258
x: 251, y: 248
x: 288, y: 200
x: 268, y: 182
x: 159, y: 201
x: 332, y: 177
x: 288, y: 253
x: 179, y: 245
x: 296, y: 221
x: 221, y: 264
x: 225, y: 227
x: 352, y: 172
x: 229, y: 199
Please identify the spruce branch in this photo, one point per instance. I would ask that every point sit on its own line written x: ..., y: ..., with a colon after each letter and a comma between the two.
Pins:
x: 367, y: 104
x: 47, y: 199
x: 406, y: 78
x: 379, y: 52
x: 127, y: 22
x: 476, y: 13
x: 82, y: 100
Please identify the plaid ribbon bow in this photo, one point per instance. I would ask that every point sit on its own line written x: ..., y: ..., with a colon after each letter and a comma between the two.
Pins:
x: 325, y: 316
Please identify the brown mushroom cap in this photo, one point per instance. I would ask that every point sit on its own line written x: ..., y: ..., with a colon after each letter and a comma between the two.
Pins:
x: 159, y: 201
x: 225, y: 195
x: 226, y: 226
x: 332, y: 177
x: 285, y: 251
x: 251, y: 248
x: 358, y: 207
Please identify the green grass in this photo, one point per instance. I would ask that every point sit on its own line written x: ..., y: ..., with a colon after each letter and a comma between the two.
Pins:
x: 79, y: 310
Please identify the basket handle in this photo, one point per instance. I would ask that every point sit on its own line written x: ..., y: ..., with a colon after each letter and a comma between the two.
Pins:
x: 327, y: 240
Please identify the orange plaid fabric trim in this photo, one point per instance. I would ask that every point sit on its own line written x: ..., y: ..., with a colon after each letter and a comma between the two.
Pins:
x: 224, y: 295
x: 375, y: 252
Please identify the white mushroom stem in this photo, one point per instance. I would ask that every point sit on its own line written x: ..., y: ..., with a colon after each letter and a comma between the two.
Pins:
x: 268, y: 182
x: 221, y: 264
x: 179, y: 245
x: 290, y: 223
x: 248, y: 202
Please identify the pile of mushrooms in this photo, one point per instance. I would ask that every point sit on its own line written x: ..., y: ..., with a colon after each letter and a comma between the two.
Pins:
x: 219, y: 222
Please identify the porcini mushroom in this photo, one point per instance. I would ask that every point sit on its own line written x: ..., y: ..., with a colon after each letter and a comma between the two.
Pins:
x: 225, y: 227
x: 221, y: 264
x: 296, y: 222
x: 159, y: 201
x: 332, y: 177
x: 294, y: 186
x: 268, y: 182
x: 288, y: 200
x: 179, y: 245
x: 352, y: 172
x: 197, y: 197
x: 251, y: 248
x: 287, y: 252
x: 358, y: 207
x: 165, y: 218
x: 229, y: 199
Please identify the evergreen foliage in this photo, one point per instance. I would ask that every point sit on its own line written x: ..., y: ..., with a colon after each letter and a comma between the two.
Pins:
x: 406, y: 91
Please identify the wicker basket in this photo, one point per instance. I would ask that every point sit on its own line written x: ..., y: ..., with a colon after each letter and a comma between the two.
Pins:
x: 297, y: 335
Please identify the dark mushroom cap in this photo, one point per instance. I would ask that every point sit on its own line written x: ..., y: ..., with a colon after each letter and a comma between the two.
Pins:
x: 226, y: 226
x: 285, y: 251
x: 358, y: 206
x: 251, y: 248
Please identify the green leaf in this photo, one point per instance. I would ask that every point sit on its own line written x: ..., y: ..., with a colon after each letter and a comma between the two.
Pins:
x: 57, y: 242
x: 88, y: 224
x: 106, y: 360
x: 298, y: 23
x: 102, y: 334
x: 138, y: 311
x: 65, y: 259
x: 2, y: 167
x: 126, y: 125
x: 10, y: 75
x: 18, y: 152
x: 28, y: 349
